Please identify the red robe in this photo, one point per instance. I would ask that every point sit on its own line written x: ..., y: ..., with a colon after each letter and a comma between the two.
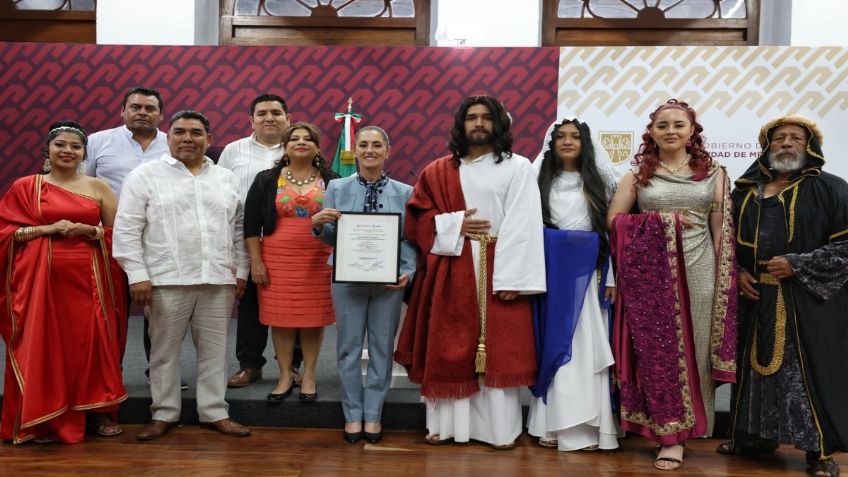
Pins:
x: 438, y: 342
x: 58, y: 317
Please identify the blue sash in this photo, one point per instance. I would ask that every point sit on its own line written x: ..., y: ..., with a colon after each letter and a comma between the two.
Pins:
x: 570, y: 260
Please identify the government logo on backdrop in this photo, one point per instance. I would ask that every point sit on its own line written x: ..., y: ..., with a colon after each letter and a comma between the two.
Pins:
x: 618, y: 144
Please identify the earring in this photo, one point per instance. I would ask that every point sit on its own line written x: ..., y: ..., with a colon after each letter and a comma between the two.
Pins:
x: 689, y: 144
x: 317, y: 161
x: 47, y: 165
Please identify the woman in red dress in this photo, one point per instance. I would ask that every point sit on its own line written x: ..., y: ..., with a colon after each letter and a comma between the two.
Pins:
x: 287, y: 263
x: 58, y: 316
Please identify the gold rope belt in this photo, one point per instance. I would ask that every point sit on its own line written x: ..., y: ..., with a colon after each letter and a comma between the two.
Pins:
x: 779, y: 330
x: 482, y: 275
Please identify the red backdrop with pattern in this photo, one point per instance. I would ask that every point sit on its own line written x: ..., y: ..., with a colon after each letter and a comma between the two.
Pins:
x: 411, y: 92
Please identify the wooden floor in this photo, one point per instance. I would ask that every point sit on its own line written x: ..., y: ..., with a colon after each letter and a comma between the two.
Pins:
x: 191, y: 451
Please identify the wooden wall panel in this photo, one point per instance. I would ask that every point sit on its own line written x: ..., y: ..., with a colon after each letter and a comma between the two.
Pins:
x: 342, y: 31
x: 625, y: 37
x: 650, y: 30
x: 323, y: 36
x: 48, y: 26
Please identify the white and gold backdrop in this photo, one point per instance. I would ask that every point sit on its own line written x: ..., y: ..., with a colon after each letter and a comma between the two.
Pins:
x: 734, y: 90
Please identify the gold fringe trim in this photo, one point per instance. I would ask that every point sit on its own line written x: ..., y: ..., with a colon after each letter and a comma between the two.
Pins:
x: 838, y: 234
x: 806, y: 382
x: 723, y: 272
x: 751, y: 192
x: 689, y: 413
x: 44, y: 418
x: 482, y: 278
x: 98, y: 282
x: 88, y: 407
x: 779, y: 331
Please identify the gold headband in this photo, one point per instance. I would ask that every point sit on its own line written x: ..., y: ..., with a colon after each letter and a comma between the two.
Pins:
x: 66, y: 129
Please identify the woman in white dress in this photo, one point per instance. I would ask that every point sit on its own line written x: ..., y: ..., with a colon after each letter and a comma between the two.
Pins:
x: 572, y: 409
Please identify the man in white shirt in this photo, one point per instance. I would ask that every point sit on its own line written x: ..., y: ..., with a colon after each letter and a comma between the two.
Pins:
x: 246, y: 157
x: 179, y: 237
x: 468, y: 333
x: 113, y: 153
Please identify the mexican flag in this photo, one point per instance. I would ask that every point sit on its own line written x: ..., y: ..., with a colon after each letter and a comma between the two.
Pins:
x: 344, y: 164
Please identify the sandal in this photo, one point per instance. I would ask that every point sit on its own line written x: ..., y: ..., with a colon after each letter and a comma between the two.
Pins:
x: 591, y: 448
x: 548, y: 443
x: 103, y: 425
x: 824, y: 468
x: 753, y: 446
x: 669, y: 463
x: 726, y: 448
x: 673, y: 463
x: 435, y: 440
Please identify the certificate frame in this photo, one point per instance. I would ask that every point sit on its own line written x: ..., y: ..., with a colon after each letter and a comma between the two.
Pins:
x: 367, y: 248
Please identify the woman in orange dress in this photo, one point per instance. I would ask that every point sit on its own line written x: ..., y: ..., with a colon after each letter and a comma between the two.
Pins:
x: 287, y: 264
x: 58, y: 313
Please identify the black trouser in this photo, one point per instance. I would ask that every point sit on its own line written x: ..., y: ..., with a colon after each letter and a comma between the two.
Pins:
x: 252, y: 336
x: 145, y: 332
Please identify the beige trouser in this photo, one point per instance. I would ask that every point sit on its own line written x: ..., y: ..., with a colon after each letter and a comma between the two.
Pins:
x: 208, y: 309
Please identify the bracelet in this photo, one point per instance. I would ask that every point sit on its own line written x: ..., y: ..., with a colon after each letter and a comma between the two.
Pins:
x: 25, y: 234
x: 98, y: 234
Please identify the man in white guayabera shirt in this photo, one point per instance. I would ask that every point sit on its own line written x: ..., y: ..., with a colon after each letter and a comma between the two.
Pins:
x: 179, y: 237
x: 468, y: 333
x: 246, y: 157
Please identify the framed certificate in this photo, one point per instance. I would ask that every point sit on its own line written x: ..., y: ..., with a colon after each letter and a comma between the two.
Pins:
x: 367, y: 248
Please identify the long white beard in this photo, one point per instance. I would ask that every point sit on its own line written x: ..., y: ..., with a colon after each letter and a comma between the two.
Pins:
x: 787, y: 165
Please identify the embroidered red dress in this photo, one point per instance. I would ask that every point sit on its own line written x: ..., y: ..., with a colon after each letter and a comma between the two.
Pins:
x: 298, y: 290
x: 58, y: 317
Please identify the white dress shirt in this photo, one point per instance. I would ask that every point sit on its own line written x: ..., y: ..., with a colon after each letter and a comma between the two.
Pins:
x: 175, y: 228
x: 113, y: 153
x: 246, y: 158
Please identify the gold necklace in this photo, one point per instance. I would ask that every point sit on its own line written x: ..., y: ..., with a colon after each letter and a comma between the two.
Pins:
x: 676, y: 169
x: 312, y: 176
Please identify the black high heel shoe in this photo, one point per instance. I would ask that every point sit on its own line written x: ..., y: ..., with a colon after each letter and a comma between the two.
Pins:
x: 352, y: 437
x: 373, y: 437
x: 276, y: 398
x: 308, y: 398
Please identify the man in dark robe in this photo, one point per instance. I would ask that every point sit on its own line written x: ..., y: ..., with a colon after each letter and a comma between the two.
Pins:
x: 792, y: 248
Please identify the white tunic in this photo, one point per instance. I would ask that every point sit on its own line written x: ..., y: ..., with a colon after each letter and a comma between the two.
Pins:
x: 579, y: 411
x: 505, y: 194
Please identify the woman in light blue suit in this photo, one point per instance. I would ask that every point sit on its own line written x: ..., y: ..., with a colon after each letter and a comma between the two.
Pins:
x: 362, y: 307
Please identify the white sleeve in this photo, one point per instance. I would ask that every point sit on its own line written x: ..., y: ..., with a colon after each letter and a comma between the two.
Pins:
x: 130, y: 221
x: 225, y: 158
x: 90, y: 163
x: 242, y: 257
x: 519, y: 249
x: 449, y: 240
